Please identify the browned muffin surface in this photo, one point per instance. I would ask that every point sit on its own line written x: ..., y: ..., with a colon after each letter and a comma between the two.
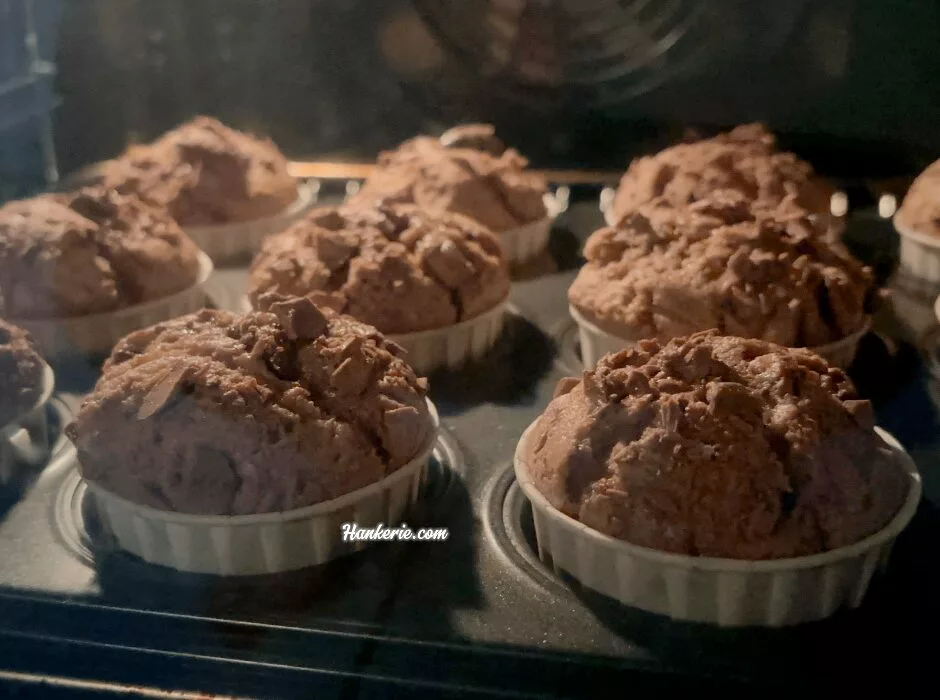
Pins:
x: 397, y: 268
x: 745, y: 160
x: 220, y: 413
x: 467, y: 171
x: 21, y: 373
x: 205, y: 173
x: 664, y: 272
x: 89, y: 252
x: 717, y: 446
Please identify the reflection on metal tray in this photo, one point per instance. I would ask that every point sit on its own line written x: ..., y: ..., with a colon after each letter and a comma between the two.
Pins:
x: 478, y: 614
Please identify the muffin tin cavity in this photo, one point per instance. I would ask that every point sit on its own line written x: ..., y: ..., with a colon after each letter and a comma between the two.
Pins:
x: 76, y: 523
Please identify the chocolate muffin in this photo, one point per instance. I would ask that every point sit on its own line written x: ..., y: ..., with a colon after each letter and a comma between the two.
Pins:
x: 745, y: 159
x: 217, y: 413
x: 21, y: 373
x: 89, y: 252
x: 205, y: 173
x: 920, y: 210
x: 467, y: 171
x: 398, y: 268
x: 716, y: 446
x: 719, y: 263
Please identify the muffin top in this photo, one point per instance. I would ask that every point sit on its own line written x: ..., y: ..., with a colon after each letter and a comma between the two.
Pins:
x: 21, y: 370
x: 217, y: 413
x: 205, y: 173
x: 664, y: 273
x: 395, y: 267
x: 920, y: 210
x: 467, y: 171
x: 716, y: 446
x: 89, y: 252
x: 745, y: 159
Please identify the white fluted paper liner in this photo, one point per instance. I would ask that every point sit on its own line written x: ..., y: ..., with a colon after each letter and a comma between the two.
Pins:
x: 450, y: 346
x: 238, y: 241
x: 453, y: 346
x: 25, y: 440
x: 595, y: 343
x: 266, y: 543
x: 726, y: 592
x: 919, y: 254
x: 525, y: 242
x: 96, y: 334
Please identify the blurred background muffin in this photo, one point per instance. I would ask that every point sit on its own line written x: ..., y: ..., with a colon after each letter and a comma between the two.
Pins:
x: 89, y: 252
x: 468, y: 171
x: 745, y: 159
x: 21, y: 373
x: 720, y: 263
x: 205, y: 173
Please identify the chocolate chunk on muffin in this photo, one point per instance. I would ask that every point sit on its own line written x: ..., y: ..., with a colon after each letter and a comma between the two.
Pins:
x: 89, y: 252
x: 217, y: 413
x: 21, y: 373
x: 467, y: 171
x: 205, y: 173
x: 745, y: 159
x: 920, y: 210
x: 716, y: 446
x: 719, y: 263
x: 396, y: 267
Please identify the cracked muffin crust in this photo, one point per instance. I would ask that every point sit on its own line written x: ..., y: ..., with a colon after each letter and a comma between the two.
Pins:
x: 467, y: 171
x: 663, y: 273
x: 397, y: 268
x: 716, y: 446
x: 217, y: 413
x: 89, y: 252
x: 21, y: 370
x: 205, y: 173
x: 745, y: 159
x: 920, y: 210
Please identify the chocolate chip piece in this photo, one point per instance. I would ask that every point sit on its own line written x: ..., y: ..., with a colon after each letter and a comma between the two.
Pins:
x: 161, y: 394
x: 94, y: 205
x: 479, y: 137
x: 330, y: 219
x: 300, y: 317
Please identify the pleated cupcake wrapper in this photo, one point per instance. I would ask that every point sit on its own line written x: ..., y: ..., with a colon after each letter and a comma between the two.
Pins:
x: 919, y: 254
x: 595, y: 343
x: 25, y: 441
x: 725, y: 592
x: 96, y: 334
x: 451, y: 346
x: 267, y: 543
x: 526, y: 242
x: 239, y: 241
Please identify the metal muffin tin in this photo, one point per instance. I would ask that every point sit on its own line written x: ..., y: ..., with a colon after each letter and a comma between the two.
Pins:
x: 478, y: 615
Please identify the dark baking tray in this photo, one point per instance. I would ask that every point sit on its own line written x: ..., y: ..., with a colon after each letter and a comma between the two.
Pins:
x: 477, y: 615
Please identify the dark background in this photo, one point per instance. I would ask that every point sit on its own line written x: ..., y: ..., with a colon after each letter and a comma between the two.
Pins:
x: 852, y: 84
